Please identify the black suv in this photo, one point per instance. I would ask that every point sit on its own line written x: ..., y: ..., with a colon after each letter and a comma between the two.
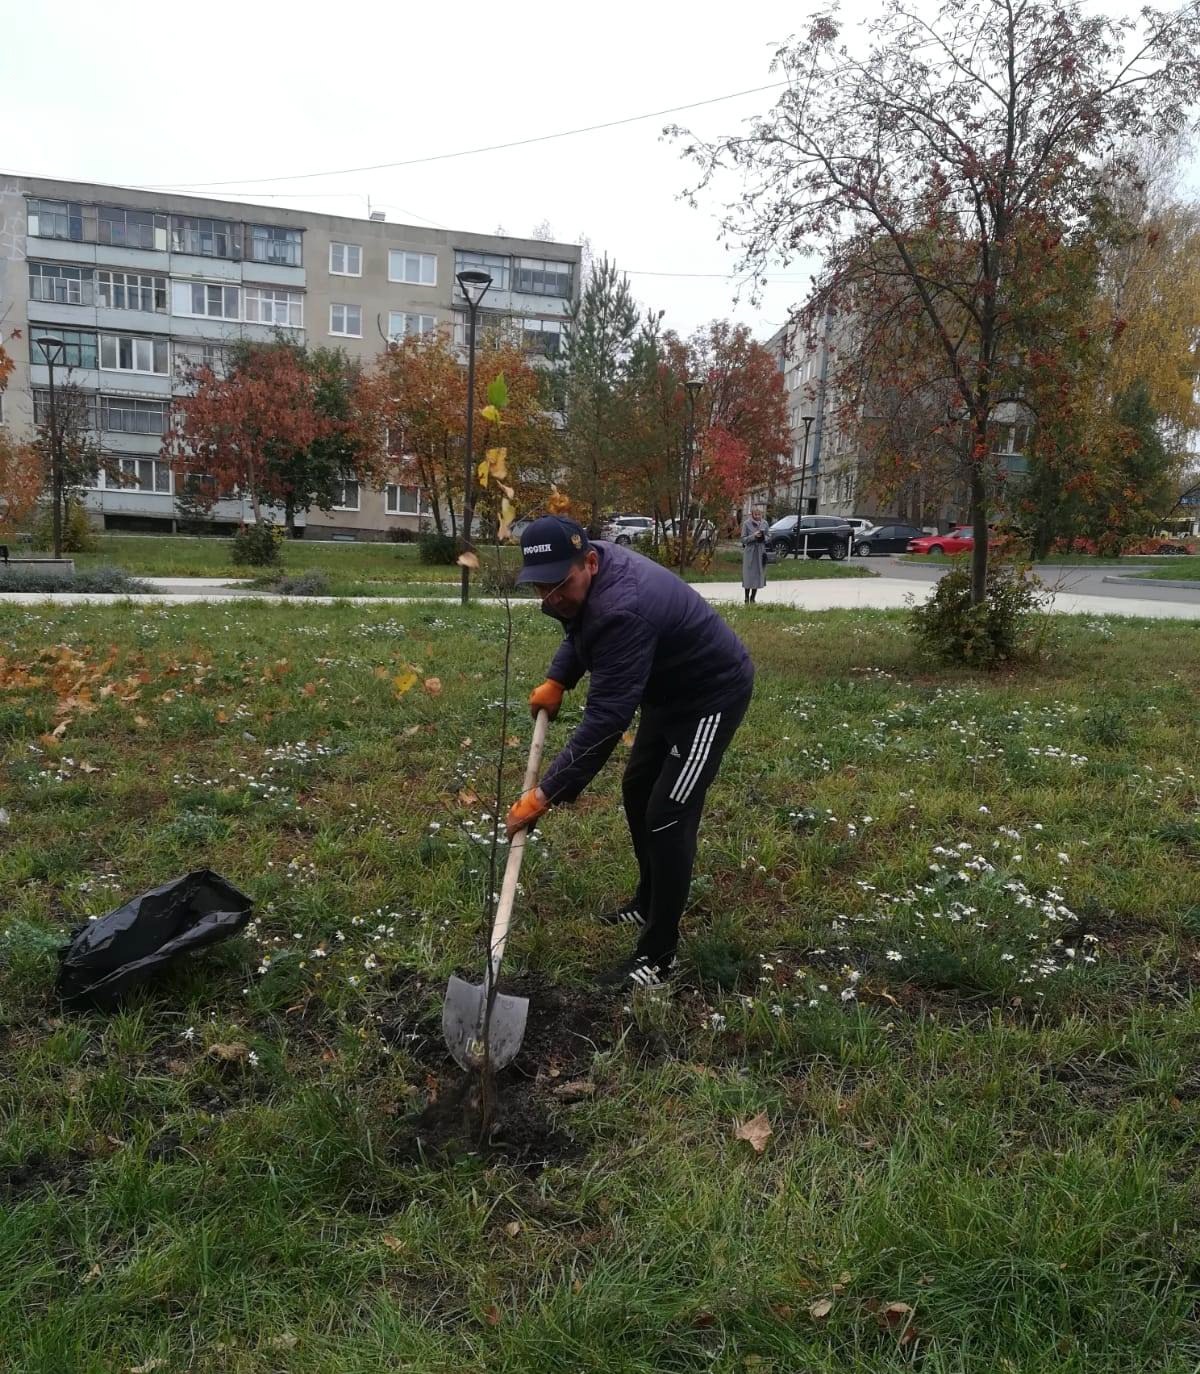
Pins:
x: 819, y: 534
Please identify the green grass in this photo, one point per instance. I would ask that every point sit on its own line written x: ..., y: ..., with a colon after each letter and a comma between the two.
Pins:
x: 374, y: 569
x: 968, y: 1116
x: 1184, y: 568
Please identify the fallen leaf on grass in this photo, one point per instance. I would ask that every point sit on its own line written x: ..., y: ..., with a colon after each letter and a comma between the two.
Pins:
x: 149, y: 1366
x: 576, y: 1090
x: 433, y: 685
x: 468, y: 797
x: 405, y: 682
x: 93, y: 1273
x: 513, y: 1229
x: 491, y: 1315
x: 284, y: 1342
x: 411, y: 729
x: 309, y: 689
x: 395, y: 1244
x: 756, y: 1132
x: 232, y: 1053
x: 818, y: 1311
x: 141, y: 722
x: 88, y: 768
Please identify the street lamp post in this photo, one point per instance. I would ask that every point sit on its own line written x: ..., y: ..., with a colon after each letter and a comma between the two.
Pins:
x: 54, y: 349
x: 693, y: 385
x: 474, y: 285
x: 808, y: 424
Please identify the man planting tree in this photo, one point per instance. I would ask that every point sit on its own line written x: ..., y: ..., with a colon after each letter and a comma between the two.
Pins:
x: 648, y: 640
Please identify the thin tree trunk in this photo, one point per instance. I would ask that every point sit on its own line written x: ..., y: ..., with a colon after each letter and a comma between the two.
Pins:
x: 979, y: 524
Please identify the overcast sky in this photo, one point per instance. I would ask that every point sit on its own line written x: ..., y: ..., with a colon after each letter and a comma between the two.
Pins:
x: 152, y: 94
x: 143, y: 94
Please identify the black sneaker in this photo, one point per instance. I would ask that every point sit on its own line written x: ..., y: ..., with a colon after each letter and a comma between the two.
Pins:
x: 623, y: 916
x: 639, y: 972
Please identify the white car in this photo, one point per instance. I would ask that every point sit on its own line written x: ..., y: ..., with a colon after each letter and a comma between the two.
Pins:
x: 624, y: 529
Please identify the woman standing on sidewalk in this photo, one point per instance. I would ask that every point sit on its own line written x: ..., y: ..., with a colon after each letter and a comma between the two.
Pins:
x: 754, y: 553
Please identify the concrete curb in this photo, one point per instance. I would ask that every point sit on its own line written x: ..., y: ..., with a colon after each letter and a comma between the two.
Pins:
x: 1140, y: 579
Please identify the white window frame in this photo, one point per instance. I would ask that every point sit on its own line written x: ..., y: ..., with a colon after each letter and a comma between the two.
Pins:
x: 144, y: 281
x: 125, y: 459
x: 344, y: 270
x: 344, y: 483
x: 402, y: 255
x: 345, y: 332
x: 391, y: 498
x: 270, y: 295
x: 191, y: 287
x: 426, y: 324
x: 134, y: 340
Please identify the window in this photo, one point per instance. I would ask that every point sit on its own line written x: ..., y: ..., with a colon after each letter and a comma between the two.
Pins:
x: 264, y: 305
x: 80, y: 350
x: 402, y: 500
x: 401, y: 324
x: 145, y: 474
x: 496, y: 265
x: 62, y: 285
x: 127, y: 353
x: 126, y: 415
x: 280, y: 246
x: 57, y: 219
x: 193, y: 354
x: 347, y: 321
x: 345, y: 260
x: 75, y: 409
x: 131, y: 291
x: 131, y: 228
x: 542, y: 336
x: 346, y: 494
x: 418, y: 269
x: 542, y: 277
x: 207, y: 300
x: 208, y: 238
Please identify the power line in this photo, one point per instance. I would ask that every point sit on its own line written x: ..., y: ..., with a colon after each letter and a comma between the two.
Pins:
x: 467, y: 152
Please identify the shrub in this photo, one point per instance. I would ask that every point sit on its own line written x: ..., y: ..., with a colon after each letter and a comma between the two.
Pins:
x: 666, y: 553
x: 77, y: 533
x: 257, y: 546
x: 105, y: 579
x: 437, y: 548
x: 312, y: 583
x: 1003, y: 628
x: 501, y: 581
x: 401, y: 535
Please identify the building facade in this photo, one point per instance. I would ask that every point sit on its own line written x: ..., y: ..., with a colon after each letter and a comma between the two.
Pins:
x: 139, y: 285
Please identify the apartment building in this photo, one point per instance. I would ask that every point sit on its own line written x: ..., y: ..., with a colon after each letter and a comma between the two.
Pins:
x: 837, y: 477
x: 139, y: 284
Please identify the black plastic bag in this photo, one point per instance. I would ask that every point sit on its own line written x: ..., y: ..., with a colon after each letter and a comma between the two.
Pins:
x: 109, y: 956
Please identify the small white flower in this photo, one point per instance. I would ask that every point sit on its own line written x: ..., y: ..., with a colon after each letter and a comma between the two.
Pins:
x: 983, y: 811
x: 716, y: 1021
x: 189, y: 1035
x: 253, y: 1059
x: 894, y: 956
x: 1064, y: 858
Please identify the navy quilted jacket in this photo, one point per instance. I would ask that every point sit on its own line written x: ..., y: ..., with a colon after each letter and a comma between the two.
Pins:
x: 646, y: 638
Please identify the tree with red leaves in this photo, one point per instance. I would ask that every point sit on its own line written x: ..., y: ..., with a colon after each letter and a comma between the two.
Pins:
x: 939, y: 165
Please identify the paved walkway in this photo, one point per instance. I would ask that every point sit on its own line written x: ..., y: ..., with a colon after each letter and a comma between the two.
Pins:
x: 823, y: 594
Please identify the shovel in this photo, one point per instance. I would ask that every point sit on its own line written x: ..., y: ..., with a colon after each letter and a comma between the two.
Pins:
x: 483, y: 1026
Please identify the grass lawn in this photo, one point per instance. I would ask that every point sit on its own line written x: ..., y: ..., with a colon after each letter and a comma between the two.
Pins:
x: 375, y: 569
x: 1175, y: 565
x: 945, y: 935
x: 1184, y: 568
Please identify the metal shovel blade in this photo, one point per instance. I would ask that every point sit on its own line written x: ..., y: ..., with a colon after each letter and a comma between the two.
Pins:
x: 463, y: 1017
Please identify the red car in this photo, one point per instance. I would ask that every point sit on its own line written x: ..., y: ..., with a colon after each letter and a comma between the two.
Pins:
x: 957, y: 541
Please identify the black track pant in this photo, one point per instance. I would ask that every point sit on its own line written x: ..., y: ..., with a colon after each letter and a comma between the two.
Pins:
x: 672, y: 763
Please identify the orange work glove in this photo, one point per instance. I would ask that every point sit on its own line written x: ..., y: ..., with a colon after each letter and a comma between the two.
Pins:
x: 548, y: 697
x: 522, y: 814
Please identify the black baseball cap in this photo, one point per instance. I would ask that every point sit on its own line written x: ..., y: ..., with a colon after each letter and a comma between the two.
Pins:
x: 549, y: 545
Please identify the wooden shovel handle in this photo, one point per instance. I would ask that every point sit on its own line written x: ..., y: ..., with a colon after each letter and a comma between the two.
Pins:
x: 516, y: 851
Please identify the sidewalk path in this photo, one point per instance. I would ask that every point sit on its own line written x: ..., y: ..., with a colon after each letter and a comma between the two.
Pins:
x: 825, y: 594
